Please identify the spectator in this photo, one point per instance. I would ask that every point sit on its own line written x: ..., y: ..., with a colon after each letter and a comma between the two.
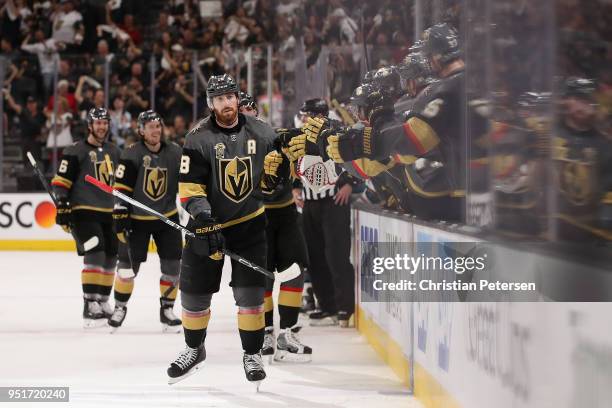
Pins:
x: 48, y: 57
x: 59, y: 129
x: 131, y: 29
x: 66, y: 22
x: 99, y: 61
x: 10, y: 23
x: 137, y: 99
x: 180, y: 102
x: 31, y: 123
x: 179, y: 130
x: 63, y: 93
x: 121, y: 121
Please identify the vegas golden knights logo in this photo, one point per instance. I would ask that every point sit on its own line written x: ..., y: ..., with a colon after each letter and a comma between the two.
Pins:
x: 155, y: 181
x: 236, y: 178
x: 101, y: 170
x: 578, y: 181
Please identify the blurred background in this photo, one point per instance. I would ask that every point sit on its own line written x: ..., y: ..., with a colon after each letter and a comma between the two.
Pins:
x: 60, y: 58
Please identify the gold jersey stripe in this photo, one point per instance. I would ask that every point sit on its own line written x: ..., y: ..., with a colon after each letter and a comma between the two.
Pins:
x: 372, y: 168
x: 121, y: 186
x: 423, y: 136
x: 279, y: 205
x: 152, y: 217
x: 187, y: 190
x: 432, y: 194
x: 92, y: 208
x: 62, y: 180
x: 243, y: 219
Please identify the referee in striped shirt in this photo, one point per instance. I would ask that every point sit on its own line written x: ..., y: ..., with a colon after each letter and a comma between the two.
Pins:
x: 324, y: 196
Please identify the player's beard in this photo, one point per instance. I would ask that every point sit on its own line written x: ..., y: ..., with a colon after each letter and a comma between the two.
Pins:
x: 227, y: 116
x: 99, y: 135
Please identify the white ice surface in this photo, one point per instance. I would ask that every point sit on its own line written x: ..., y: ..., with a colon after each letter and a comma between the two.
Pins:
x: 42, y: 343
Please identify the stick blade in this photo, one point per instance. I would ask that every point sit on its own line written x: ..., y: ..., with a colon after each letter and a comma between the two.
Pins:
x: 31, y: 159
x: 104, y: 187
x: 288, y: 274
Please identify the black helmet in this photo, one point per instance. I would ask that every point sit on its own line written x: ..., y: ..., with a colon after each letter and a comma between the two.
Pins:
x: 220, y: 85
x: 148, y: 116
x: 359, y: 98
x: 579, y: 87
x: 416, y: 47
x: 369, y: 76
x: 415, y: 67
x: 315, y: 106
x: 388, y: 80
x: 97, y: 114
x: 244, y: 99
x: 443, y: 40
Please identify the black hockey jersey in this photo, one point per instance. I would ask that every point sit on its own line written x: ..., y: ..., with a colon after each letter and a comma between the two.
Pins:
x: 79, y: 160
x: 151, y: 178
x: 221, y: 170
x: 583, y: 170
x: 281, y: 196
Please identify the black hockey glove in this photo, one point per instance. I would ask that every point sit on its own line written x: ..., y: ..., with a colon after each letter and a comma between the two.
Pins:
x: 285, y: 136
x: 352, y: 145
x: 63, y: 216
x: 209, y: 240
x: 121, y: 217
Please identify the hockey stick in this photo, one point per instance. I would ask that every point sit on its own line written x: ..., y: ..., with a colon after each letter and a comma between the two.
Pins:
x: 126, y: 234
x: 291, y: 273
x: 91, y: 242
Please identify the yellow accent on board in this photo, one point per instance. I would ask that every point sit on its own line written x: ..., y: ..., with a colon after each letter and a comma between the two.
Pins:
x: 426, y: 388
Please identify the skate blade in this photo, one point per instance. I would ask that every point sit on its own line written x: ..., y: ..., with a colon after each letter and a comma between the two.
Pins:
x: 283, y: 356
x: 171, y: 329
x: 94, y: 323
x: 256, y: 384
x: 113, y: 329
x: 187, y: 374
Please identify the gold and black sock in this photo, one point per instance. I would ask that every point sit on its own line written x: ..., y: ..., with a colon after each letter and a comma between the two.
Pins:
x: 251, y: 324
x: 289, y: 303
x: 194, y: 326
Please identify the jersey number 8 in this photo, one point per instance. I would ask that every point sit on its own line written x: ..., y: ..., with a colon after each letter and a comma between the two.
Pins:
x: 120, y: 171
x: 185, y: 164
x: 63, y: 167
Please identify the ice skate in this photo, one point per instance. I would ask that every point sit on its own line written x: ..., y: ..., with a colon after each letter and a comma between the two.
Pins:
x: 170, y: 323
x: 268, y: 345
x: 92, y: 315
x: 322, y: 319
x: 290, y: 349
x: 253, y: 368
x: 186, y: 364
x: 116, y: 320
x: 346, y: 320
x: 308, y: 300
x: 107, y: 309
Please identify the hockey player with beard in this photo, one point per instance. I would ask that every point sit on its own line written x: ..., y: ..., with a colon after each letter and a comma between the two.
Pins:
x: 286, y: 246
x: 87, y: 211
x: 148, y: 171
x: 221, y: 174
